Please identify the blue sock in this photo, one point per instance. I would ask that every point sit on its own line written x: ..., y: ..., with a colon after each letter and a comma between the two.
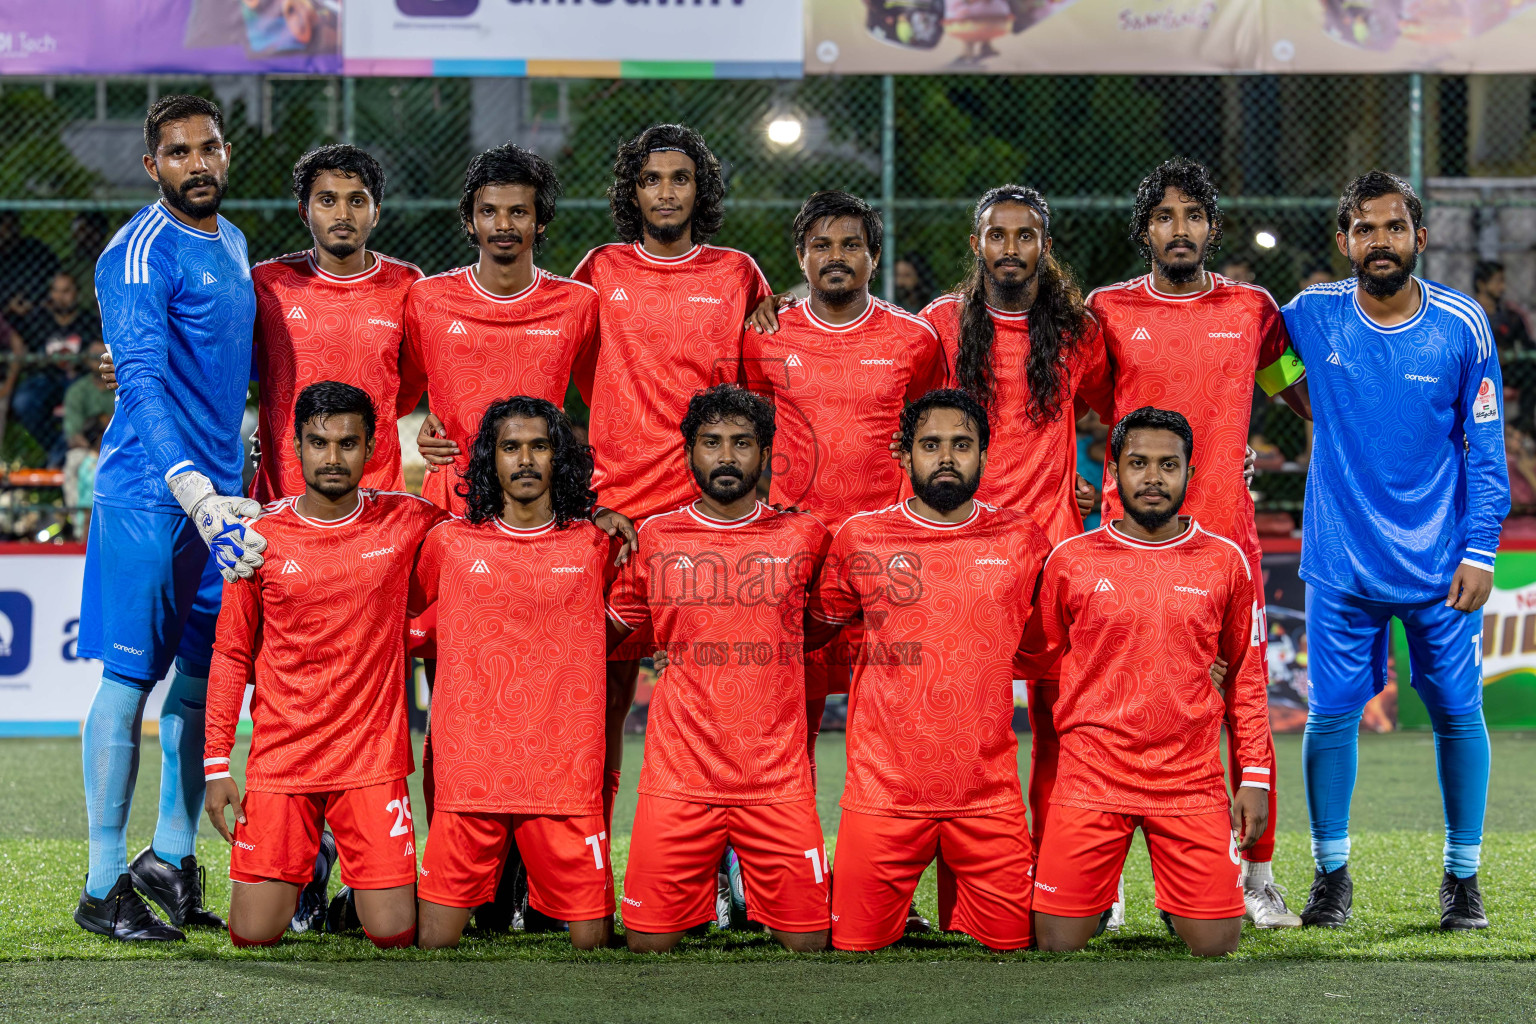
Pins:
x: 1330, y: 751
x: 181, y: 763
x: 1462, y: 756
x: 110, y: 749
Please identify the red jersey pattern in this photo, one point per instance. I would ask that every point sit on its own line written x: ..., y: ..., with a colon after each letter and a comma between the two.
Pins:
x: 1031, y: 466
x: 838, y: 392
x: 469, y: 349
x: 313, y: 326
x: 517, y: 708
x: 1141, y: 625
x: 944, y: 606
x: 669, y: 327
x: 727, y: 600
x: 1196, y: 355
x: 321, y: 632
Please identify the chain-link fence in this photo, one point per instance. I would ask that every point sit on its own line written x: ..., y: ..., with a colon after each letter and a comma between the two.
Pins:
x: 923, y: 148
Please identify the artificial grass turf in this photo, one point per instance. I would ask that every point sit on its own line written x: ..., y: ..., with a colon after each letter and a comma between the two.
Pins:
x: 1141, y: 974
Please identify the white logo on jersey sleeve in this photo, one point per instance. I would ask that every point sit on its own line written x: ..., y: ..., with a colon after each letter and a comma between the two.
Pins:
x: 1485, y: 407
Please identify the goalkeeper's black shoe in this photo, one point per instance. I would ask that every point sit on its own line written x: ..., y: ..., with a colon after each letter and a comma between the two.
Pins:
x: 502, y: 913
x: 122, y: 914
x: 1330, y: 900
x: 312, y: 911
x: 341, y: 915
x: 1461, y: 904
x: 178, y: 891
x: 916, y: 922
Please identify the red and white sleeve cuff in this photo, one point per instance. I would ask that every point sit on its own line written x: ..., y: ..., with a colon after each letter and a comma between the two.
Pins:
x: 215, y: 768
x: 1256, y: 778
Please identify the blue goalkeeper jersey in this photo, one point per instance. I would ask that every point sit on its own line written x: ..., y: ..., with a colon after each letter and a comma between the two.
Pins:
x: 177, y: 310
x: 1408, y: 477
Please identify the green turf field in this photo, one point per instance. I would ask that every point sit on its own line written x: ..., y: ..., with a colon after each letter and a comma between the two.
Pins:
x: 1390, y: 964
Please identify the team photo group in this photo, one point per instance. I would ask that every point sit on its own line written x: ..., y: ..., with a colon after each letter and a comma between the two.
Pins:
x: 777, y: 497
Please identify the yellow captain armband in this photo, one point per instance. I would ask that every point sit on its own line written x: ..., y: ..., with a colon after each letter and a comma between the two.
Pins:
x: 1281, y: 373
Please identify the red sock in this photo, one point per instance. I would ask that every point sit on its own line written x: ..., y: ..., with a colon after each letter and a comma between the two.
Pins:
x: 404, y: 940
x: 610, y: 792
x: 247, y: 943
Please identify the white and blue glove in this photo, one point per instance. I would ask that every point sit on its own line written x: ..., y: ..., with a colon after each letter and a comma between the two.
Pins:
x: 223, y: 522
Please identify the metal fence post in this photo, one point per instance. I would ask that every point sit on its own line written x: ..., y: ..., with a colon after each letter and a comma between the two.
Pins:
x: 888, y: 183
x: 1416, y: 131
x: 349, y: 110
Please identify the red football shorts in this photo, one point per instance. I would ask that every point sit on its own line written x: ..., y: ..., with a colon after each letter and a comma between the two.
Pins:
x: 674, y: 855
x: 880, y: 858
x: 375, y: 838
x: 569, y: 876
x: 1195, y: 867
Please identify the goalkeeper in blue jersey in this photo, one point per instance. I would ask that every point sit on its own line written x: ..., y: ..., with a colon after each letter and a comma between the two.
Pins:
x: 1406, y: 496
x: 177, y: 309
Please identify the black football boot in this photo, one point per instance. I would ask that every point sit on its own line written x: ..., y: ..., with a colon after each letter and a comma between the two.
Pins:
x: 178, y: 891
x: 122, y: 914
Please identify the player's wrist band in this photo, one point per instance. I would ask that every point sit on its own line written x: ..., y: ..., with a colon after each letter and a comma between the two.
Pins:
x: 215, y: 762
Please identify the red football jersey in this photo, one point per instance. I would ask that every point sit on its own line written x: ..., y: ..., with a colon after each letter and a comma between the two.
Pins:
x: 944, y: 606
x: 838, y: 392
x: 1140, y: 625
x: 313, y: 326
x: 669, y: 327
x: 517, y: 706
x: 1196, y: 355
x: 1031, y: 466
x: 470, y: 349
x: 321, y: 632
x: 727, y: 601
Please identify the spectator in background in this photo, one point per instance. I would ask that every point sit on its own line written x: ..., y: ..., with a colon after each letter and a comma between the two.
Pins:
x: 1091, y: 435
x: 1511, y: 330
x: 26, y: 266
x: 83, y: 479
x: 1239, y: 268
x: 90, y: 233
x: 60, y: 332
x: 914, y: 282
x: 87, y: 403
x: 1320, y: 273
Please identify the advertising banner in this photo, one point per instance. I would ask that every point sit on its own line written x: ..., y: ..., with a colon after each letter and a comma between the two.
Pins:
x: 118, y: 37
x: 1168, y: 36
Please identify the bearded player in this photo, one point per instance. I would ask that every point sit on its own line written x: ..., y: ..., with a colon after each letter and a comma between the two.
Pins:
x: 321, y: 634
x: 723, y: 583
x: 517, y: 709
x: 1184, y: 339
x: 1411, y: 363
x: 1141, y: 608
x: 671, y: 310
x: 944, y: 585
x: 177, y: 310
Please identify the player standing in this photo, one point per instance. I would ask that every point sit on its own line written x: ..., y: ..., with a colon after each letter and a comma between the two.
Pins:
x: 1406, y: 497
x: 723, y: 583
x: 517, y: 712
x: 177, y: 308
x: 1141, y: 608
x: 672, y: 310
x: 944, y: 586
x: 321, y: 634
x: 840, y: 365
x: 1184, y: 339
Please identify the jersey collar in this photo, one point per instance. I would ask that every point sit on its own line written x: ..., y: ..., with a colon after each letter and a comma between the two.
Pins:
x: 1003, y: 314
x: 1165, y: 297
x: 1194, y: 528
x: 854, y: 324
x: 1354, y: 300
x: 523, y: 533
x: 724, y: 524
x: 176, y: 221
x: 479, y: 289
x: 325, y: 275
x: 331, y: 524
x: 666, y: 261
x: 906, y: 510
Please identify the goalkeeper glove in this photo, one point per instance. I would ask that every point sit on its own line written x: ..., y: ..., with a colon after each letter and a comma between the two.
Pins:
x: 236, y: 546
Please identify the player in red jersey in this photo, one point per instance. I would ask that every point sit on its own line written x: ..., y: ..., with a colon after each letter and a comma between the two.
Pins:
x: 322, y: 637
x: 840, y: 365
x: 723, y: 583
x: 1183, y: 339
x: 517, y: 713
x: 502, y: 326
x: 944, y: 585
x: 671, y: 313
x: 1141, y: 608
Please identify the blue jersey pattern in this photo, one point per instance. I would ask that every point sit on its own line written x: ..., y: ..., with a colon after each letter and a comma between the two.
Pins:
x: 177, y: 310
x: 1408, y: 477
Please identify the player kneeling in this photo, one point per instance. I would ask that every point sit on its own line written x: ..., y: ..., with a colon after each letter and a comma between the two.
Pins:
x: 322, y: 636
x: 1142, y: 608
x: 517, y: 709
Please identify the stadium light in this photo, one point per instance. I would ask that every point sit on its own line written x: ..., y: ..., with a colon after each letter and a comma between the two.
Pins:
x: 785, y: 130
x: 1265, y: 239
